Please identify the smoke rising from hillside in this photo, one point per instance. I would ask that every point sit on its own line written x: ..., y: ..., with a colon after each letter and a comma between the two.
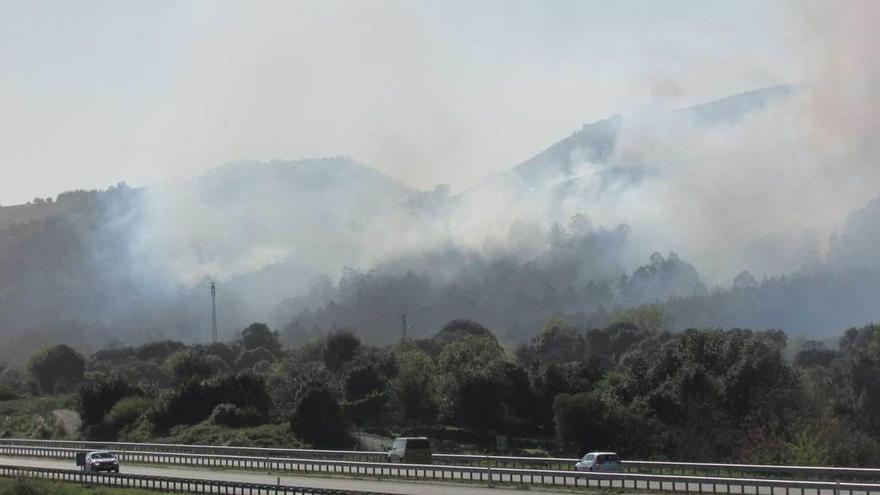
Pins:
x: 756, y: 182
x: 762, y: 191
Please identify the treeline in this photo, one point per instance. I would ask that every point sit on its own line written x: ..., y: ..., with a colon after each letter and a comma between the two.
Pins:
x: 698, y: 395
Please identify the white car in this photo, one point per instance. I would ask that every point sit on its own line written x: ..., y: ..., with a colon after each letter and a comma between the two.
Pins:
x: 604, y: 462
x: 98, y: 461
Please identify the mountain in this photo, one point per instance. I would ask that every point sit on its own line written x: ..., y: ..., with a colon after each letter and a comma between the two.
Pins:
x: 595, y: 142
x: 317, y: 244
x: 133, y: 264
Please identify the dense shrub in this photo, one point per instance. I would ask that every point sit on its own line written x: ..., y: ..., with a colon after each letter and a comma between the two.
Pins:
x: 55, y: 367
x: 127, y: 411
x: 414, y: 389
x: 187, y: 364
x: 251, y: 357
x: 158, y: 351
x: 193, y: 401
x: 258, y: 335
x: 97, y: 395
x: 339, y: 348
x: 8, y: 392
x: 318, y: 419
x: 235, y: 417
x: 582, y: 421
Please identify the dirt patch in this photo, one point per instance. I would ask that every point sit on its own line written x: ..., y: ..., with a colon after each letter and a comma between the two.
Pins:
x: 67, y: 420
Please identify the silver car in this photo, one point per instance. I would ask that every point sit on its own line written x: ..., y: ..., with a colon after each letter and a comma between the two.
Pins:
x: 605, y: 462
x: 99, y: 461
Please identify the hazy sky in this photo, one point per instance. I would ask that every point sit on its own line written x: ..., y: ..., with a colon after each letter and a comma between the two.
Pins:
x: 93, y: 93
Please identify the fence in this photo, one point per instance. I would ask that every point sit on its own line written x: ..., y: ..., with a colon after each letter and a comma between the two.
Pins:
x: 488, y: 474
x: 478, y: 461
x: 168, y: 484
x: 641, y: 482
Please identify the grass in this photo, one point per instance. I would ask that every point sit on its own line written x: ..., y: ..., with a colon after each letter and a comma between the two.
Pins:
x: 25, y: 486
x: 267, y: 435
x: 31, y: 417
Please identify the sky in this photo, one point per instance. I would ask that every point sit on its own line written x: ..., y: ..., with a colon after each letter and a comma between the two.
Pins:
x: 94, y: 93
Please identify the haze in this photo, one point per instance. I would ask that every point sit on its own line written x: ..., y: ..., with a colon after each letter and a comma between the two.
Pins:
x: 94, y: 93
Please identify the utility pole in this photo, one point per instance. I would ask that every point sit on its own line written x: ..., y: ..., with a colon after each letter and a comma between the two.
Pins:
x: 213, y: 312
x: 403, y: 325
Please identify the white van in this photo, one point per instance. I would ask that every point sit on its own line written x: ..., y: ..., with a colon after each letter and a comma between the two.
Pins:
x: 608, y: 462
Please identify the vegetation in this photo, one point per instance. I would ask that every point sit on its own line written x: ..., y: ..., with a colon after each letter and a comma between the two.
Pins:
x: 710, y: 395
x: 28, y: 486
x: 58, y: 368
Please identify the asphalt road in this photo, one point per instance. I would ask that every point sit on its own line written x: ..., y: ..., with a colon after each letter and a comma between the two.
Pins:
x: 400, y: 487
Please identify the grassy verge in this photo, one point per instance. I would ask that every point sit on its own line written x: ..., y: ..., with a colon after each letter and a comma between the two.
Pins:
x: 31, y: 417
x: 24, y: 486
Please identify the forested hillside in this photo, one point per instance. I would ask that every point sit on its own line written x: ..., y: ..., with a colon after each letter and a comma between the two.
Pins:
x: 701, y: 395
x: 311, y: 246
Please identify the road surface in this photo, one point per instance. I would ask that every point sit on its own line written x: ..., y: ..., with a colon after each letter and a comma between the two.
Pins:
x: 399, y: 487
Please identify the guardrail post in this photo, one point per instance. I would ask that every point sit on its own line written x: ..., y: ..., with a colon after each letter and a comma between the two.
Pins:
x: 489, y: 471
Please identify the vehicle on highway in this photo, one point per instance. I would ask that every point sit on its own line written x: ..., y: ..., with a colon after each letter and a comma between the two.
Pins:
x: 410, y: 450
x: 97, y: 461
x: 605, y: 462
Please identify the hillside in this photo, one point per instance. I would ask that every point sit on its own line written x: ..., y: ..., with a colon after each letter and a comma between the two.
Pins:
x: 313, y: 245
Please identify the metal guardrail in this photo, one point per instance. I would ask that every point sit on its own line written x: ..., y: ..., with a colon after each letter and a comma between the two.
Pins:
x: 490, y: 475
x: 350, y: 455
x: 641, y: 482
x: 481, y: 461
x: 682, y: 468
x: 168, y: 484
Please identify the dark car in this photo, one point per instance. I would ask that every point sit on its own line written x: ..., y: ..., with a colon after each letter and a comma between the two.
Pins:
x: 410, y: 450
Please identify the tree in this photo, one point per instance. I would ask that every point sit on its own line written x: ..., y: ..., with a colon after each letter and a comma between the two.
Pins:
x: 457, y: 329
x: 56, y: 367
x: 339, y: 348
x: 251, y: 357
x: 365, y: 376
x: 557, y: 342
x: 235, y: 417
x: 100, y: 393
x: 472, y: 382
x: 258, y: 335
x: 711, y: 390
x: 581, y: 419
x: 744, y: 281
x: 318, y: 419
x: 414, y: 389
x: 193, y: 401
x: 187, y: 364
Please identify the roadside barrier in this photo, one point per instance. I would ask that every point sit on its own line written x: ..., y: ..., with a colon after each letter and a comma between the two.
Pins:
x: 168, y: 484
x: 828, y: 473
x: 488, y: 474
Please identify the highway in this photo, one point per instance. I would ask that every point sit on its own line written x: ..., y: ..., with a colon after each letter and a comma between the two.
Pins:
x: 338, y: 483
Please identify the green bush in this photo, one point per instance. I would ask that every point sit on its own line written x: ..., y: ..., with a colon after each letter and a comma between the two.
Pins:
x: 192, y: 402
x: 8, y: 392
x: 187, y: 364
x: 339, y: 348
x: 258, y: 335
x: 99, y: 394
x: 234, y: 417
x: 56, y: 368
x: 127, y: 411
x: 251, y: 357
x: 22, y: 486
x: 318, y: 419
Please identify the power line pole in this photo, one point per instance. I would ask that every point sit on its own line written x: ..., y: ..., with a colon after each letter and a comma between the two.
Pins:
x: 403, y: 325
x: 213, y: 312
